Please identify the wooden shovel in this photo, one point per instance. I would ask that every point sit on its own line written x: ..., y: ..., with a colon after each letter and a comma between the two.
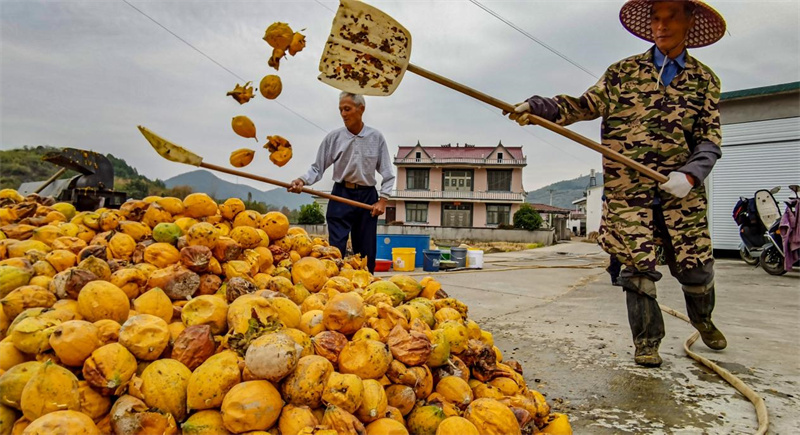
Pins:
x: 368, y: 53
x: 176, y: 153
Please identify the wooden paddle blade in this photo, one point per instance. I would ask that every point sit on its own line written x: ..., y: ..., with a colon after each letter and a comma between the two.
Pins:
x: 367, y: 51
x: 169, y: 150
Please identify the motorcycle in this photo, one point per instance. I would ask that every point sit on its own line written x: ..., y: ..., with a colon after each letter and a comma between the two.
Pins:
x: 754, y: 215
x: 773, y: 256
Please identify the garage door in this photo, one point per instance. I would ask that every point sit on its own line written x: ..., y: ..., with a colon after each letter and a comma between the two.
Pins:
x: 755, y: 155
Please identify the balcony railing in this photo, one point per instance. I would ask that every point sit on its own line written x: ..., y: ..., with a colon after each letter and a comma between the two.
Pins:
x: 461, y: 161
x: 456, y: 195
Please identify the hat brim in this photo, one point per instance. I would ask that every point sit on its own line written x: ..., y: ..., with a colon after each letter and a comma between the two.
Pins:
x: 709, y: 26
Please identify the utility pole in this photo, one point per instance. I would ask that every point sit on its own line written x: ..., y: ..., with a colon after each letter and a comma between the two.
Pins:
x: 550, y: 215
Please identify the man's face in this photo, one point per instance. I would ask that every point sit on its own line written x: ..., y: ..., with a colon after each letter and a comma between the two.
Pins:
x: 670, y: 26
x: 351, y: 113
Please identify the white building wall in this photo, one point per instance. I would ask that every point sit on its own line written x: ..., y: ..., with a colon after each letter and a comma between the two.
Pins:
x: 594, y: 208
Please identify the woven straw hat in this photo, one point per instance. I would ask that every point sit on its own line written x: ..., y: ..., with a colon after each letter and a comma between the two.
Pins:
x: 709, y: 26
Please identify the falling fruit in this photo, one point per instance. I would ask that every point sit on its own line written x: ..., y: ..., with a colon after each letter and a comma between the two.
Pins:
x: 279, y: 35
x: 281, y: 157
x: 280, y: 150
x: 298, y: 43
x: 242, y: 157
x: 244, y: 127
x: 275, y: 60
x: 275, y: 143
x: 270, y: 87
x: 242, y: 94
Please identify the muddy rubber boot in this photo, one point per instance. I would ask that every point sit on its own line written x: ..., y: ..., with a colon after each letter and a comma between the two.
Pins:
x: 699, y: 307
x: 647, y: 327
x: 647, y: 353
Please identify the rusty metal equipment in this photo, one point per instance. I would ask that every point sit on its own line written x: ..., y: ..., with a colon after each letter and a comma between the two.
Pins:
x: 92, y: 189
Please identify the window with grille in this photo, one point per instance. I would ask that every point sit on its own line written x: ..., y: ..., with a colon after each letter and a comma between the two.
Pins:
x: 417, y: 179
x: 417, y: 212
x: 498, y: 214
x: 499, y: 180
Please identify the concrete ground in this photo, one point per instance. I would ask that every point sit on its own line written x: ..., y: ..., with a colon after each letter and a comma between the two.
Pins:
x: 567, y: 326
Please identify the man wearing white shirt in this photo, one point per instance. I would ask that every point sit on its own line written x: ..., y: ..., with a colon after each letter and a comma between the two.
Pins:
x: 356, y: 152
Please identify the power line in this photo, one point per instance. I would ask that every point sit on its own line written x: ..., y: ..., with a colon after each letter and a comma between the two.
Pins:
x: 531, y: 37
x: 525, y: 130
x: 219, y: 64
x: 323, y: 5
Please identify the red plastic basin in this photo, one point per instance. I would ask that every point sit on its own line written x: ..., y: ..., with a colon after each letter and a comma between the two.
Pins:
x: 382, y: 265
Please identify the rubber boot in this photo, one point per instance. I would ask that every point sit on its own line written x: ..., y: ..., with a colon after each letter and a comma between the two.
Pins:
x: 699, y: 306
x: 647, y: 327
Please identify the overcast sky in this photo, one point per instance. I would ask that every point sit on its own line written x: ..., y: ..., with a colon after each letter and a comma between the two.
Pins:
x: 84, y: 74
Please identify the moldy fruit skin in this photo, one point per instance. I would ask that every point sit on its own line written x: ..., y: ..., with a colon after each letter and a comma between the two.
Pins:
x: 244, y: 127
x: 270, y: 86
x: 242, y: 94
x: 185, y: 314
x: 279, y: 35
x: 242, y: 157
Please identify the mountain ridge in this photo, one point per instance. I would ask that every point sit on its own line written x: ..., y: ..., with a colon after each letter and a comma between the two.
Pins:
x: 564, y: 191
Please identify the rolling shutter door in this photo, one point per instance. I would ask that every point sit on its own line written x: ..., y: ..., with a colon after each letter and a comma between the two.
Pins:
x: 755, y: 155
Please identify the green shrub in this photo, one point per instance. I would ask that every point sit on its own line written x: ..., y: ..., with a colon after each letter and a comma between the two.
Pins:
x: 527, y: 218
x: 311, y: 214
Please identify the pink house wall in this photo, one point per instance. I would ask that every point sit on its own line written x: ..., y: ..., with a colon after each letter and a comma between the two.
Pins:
x: 516, y: 180
x: 400, y: 181
x: 435, y: 179
x: 478, y: 214
x: 480, y: 181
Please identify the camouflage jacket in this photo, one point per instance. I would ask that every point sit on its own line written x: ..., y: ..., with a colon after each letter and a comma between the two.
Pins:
x: 672, y: 128
x: 657, y: 126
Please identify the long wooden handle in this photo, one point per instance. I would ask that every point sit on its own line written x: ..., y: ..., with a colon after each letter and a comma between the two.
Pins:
x: 502, y: 105
x: 284, y: 184
x: 50, y: 180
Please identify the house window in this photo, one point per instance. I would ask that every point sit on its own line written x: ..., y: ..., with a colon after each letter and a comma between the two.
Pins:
x: 499, y: 180
x: 417, y: 212
x: 457, y: 180
x: 418, y: 156
x: 499, y: 156
x: 417, y: 179
x: 498, y: 214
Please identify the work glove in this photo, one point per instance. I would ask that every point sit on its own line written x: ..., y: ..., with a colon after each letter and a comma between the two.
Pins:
x: 520, y: 109
x: 678, y: 184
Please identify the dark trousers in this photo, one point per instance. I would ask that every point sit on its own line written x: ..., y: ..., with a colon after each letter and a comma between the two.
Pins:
x: 644, y: 314
x: 345, y: 220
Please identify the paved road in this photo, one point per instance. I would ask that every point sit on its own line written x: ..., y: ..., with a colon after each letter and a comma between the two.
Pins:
x: 568, y: 327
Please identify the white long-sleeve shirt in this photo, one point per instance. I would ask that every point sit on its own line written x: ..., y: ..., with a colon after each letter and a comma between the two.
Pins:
x: 355, y: 158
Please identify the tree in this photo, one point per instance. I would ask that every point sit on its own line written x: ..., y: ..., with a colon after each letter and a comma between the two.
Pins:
x: 137, y: 188
x: 311, y: 214
x: 255, y: 205
x: 527, y: 218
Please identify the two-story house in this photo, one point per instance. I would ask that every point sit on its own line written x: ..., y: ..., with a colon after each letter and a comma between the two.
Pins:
x: 457, y: 186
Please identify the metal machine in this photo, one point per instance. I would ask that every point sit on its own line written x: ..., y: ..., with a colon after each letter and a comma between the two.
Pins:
x: 92, y: 189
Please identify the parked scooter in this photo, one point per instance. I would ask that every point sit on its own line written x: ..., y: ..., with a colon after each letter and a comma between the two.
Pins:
x: 773, y: 255
x: 754, y: 215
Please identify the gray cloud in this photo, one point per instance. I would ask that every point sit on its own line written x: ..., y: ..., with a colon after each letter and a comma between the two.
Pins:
x: 85, y: 73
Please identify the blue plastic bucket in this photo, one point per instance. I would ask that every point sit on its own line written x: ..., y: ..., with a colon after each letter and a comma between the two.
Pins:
x: 431, y: 258
x: 386, y: 242
x: 459, y: 255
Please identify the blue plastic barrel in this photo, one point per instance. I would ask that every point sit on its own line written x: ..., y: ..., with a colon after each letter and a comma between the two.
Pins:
x: 388, y: 241
x: 431, y: 258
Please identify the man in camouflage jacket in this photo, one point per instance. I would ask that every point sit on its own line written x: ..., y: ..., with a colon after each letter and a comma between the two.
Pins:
x: 660, y: 108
